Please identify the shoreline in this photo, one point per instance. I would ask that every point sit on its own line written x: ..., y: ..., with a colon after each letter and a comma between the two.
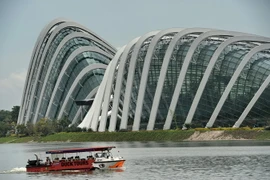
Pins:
x: 212, y: 136
x: 158, y: 135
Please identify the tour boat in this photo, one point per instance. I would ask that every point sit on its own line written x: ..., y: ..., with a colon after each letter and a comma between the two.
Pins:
x: 64, y: 160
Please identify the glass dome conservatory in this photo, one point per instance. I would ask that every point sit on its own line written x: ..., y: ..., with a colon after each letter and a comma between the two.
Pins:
x: 161, y: 80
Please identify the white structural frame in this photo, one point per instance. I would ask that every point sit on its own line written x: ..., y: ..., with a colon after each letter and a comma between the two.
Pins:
x: 258, y: 93
x: 163, y: 72
x: 100, y: 102
x: 85, y: 71
x: 67, y: 64
x: 57, y: 25
x: 186, y: 63
x: 235, y: 76
x: 109, y: 91
x: 60, y: 46
x: 144, y: 77
x: 40, y: 68
x: 90, y: 95
x: 130, y: 77
x: 109, y: 85
x: 32, y: 65
x: 118, y: 85
x: 96, y: 105
x: 208, y: 71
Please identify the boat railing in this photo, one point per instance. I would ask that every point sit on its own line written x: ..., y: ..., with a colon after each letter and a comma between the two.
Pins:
x: 76, y: 158
x: 90, y: 157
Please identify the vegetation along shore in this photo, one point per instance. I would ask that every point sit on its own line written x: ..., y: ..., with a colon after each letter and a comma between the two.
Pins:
x: 197, y: 134
x: 46, y: 130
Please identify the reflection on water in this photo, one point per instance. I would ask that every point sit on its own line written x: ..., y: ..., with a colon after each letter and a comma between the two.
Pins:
x: 154, y: 160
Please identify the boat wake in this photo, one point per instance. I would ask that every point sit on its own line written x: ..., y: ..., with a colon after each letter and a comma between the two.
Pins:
x: 120, y: 169
x: 23, y: 169
x: 14, y: 170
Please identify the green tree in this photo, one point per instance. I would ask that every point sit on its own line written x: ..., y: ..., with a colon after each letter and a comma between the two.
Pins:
x: 62, y: 124
x: 30, y: 129
x: 73, y: 128
x: 15, y: 113
x: 21, y: 130
x: 5, y: 116
x: 7, y: 125
x: 4, y: 128
x: 44, y: 127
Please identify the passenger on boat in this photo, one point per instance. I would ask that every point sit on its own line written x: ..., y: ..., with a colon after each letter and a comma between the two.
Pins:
x: 48, y: 160
x: 56, y: 159
x: 63, y: 159
x: 77, y: 157
x: 90, y: 157
x: 70, y: 158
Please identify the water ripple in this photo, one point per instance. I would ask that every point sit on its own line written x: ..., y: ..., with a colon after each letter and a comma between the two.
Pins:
x: 154, y: 161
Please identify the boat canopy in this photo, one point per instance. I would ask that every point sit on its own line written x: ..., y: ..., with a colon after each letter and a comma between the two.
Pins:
x: 75, y: 150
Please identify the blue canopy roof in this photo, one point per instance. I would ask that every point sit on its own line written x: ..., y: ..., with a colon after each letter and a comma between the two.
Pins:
x: 75, y: 150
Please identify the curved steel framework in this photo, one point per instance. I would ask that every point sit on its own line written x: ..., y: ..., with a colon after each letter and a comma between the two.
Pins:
x: 166, y: 79
x: 161, y: 80
x: 68, y: 63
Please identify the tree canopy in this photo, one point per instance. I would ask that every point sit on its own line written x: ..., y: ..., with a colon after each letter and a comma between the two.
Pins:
x: 8, y: 120
x: 44, y: 127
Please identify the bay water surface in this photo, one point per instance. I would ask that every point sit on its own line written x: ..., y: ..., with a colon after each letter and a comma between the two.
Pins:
x: 152, y: 160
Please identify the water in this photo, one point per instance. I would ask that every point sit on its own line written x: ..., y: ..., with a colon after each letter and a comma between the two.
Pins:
x: 153, y: 160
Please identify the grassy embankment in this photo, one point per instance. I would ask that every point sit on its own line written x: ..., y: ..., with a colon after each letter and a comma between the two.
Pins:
x: 170, y: 135
x: 158, y: 135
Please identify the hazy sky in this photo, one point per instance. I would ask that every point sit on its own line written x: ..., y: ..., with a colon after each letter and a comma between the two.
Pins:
x: 117, y: 21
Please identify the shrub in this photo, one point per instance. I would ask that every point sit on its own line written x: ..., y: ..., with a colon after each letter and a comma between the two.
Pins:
x: 245, y: 128
x: 187, y: 126
x: 73, y: 128
x: 123, y: 130
x: 90, y: 130
x: 202, y: 129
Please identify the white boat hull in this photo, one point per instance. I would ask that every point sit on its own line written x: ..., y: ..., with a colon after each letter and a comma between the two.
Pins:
x: 104, y: 163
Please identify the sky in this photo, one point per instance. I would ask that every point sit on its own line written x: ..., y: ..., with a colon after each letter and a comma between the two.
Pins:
x: 116, y: 21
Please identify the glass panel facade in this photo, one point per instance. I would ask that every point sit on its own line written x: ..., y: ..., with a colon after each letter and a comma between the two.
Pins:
x: 42, y: 69
x: 53, y: 80
x: 174, y: 68
x: 82, y: 60
x: 137, y: 80
x: 90, y: 80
